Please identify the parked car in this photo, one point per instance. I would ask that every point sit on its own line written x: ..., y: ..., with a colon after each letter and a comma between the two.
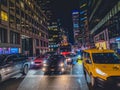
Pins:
x: 11, y: 64
x: 38, y: 61
x: 55, y: 63
x: 101, y: 67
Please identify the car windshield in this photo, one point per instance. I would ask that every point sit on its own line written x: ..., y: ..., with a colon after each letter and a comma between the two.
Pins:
x: 106, y: 58
x: 2, y: 57
x: 56, y: 58
x: 49, y: 53
x: 41, y: 56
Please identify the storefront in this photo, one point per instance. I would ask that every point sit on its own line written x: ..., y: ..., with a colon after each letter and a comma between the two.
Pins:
x: 9, y: 50
x: 102, y: 40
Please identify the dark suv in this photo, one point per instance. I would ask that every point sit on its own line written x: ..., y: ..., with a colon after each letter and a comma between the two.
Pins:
x: 12, y: 64
x: 55, y: 63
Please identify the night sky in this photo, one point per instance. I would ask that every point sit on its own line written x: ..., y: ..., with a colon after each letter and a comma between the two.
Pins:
x: 63, y: 10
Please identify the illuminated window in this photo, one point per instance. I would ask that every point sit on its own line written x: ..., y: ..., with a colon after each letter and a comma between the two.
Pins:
x: 55, y: 35
x: 39, y: 33
x: 41, y: 21
x: 4, y: 16
x: 22, y: 4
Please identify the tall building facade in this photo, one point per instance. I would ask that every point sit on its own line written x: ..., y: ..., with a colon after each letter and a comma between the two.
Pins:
x: 104, y: 23
x: 23, y: 27
x: 76, y: 25
x: 80, y: 25
x: 84, y: 31
x: 53, y: 36
x: 55, y: 29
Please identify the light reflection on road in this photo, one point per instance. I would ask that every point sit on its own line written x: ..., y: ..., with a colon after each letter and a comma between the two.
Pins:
x: 72, y: 80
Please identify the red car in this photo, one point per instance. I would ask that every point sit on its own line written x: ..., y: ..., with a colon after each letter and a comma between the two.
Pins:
x: 37, y: 62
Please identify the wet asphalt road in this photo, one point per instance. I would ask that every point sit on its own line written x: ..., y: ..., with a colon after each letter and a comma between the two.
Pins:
x: 36, y: 80
x: 73, y: 79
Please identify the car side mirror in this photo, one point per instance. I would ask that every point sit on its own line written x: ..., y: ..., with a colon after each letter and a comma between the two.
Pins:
x: 88, y: 61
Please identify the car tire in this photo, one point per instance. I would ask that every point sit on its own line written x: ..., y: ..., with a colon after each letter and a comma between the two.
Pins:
x: 25, y: 70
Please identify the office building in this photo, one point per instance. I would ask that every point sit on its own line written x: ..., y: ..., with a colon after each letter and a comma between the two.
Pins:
x: 76, y: 23
x: 84, y: 31
x: 23, y: 27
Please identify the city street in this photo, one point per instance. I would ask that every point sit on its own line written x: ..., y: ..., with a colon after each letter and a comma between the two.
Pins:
x: 73, y: 79
x: 75, y: 44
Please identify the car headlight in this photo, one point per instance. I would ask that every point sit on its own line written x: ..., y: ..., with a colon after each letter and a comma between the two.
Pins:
x: 61, y: 65
x: 32, y: 62
x: 45, y: 64
x: 44, y: 69
x: 100, y: 72
x: 62, y: 69
x: 68, y: 59
x: 3, y: 70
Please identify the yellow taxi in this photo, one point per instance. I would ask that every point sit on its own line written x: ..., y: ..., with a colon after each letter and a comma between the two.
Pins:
x: 101, y: 67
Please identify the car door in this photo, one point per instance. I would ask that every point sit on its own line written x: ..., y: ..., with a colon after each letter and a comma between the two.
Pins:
x: 8, y: 66
x: 87, y: 62
x: 18, y: 61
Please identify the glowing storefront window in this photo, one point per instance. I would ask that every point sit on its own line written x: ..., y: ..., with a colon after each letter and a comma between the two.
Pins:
x: 14, y: 50
x: 4, y: 16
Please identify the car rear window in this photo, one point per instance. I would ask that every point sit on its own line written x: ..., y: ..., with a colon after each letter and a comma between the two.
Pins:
x: 56, y: 57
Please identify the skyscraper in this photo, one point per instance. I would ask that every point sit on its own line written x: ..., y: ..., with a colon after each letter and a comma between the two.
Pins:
x: 76, y: 29
x: 54, y: 24
x: 84, y: 32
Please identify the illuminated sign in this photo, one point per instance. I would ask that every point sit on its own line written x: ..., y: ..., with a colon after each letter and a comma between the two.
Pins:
x: 75, y: 25
x: 14, y: 50
x: 1, y: 51
x: 83, y: 5
x: 75, y: 12
x: 117, y: 39
x: 82, y: 12
x: 83, y: 18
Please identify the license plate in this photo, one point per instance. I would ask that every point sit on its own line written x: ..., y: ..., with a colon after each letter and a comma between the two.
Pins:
x: 37, y: 64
